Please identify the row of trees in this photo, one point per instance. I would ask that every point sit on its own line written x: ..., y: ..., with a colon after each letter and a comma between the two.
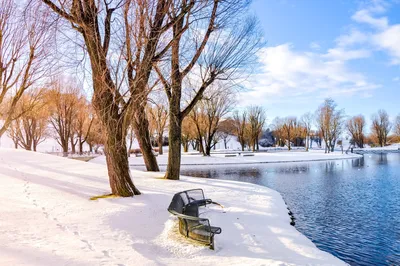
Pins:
x: 59, y: 111
x: 133, y: 48
x: 331, y: 123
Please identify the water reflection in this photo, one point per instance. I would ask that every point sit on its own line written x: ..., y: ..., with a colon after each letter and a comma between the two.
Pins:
x: 349, y: 208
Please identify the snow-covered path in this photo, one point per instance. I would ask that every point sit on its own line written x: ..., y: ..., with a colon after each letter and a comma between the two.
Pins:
x: 48, y: 219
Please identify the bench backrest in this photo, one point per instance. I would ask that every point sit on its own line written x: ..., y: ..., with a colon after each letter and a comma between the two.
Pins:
x: 182, y: 199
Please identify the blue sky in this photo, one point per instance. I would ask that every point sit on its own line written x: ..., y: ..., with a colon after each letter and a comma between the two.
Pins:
x: 347, y: 50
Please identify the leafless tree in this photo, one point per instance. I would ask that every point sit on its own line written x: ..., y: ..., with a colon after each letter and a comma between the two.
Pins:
x: 307, y: 121
x: 134, y: 29
x: 209, y: 111
x: 189, y: 133
x: 226, y: 130
x: 30, y: 128
x: 211, y: 41
x: 278, y: 131
x: 397, y: 126
x: 82, y: 122
x: 289, y: 129
x: 330, y: 123
x: 96, y: 136
x: 24, y: 36
x: 63, y: 102
x: 356, y: 127
x: 256, y: 121
x: 240, y: 122
x: 158, y: 114
x: 381, y: 126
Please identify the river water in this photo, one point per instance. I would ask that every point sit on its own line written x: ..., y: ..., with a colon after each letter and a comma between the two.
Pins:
x: 350, y: 208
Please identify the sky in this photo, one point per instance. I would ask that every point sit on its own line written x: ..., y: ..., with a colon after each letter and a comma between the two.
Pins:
x: 343, y: 49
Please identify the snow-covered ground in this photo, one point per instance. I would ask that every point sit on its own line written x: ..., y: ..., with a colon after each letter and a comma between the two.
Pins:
x: 264, y: 157
x: 48, y: 219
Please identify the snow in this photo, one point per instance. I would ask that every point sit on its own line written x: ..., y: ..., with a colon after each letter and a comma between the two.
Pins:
x: 48, y: 219
x: 264, y: 157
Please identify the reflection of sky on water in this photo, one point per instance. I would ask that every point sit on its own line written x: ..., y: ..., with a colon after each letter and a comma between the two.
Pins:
x: 349, y: 208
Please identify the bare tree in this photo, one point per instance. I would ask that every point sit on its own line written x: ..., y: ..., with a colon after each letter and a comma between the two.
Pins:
x: 63, y: 102
x: 256, y: 121
x: 381, y: 126
x: 96, y: 136
x: 135, y: 35
x: 24, y: 35
x: 208, y: 112
x: 330, y: 123
x: 397, y: 126
x: 356, y: 127
x: 158, y: 114
x: 189, y: 133
x: 204, y: 46
x: 278, y: 131
x: 288, y: 127
x: 226, y: 130
x: 240, y: 122
x: 307, y: 120
x: 30, y: 128
x: 83, y: 122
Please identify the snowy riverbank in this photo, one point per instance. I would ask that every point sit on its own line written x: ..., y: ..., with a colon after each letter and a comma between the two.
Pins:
x: 48, y: 219
x: 264, y: 157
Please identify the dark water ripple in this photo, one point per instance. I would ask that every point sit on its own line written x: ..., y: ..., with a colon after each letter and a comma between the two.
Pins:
x: 350, y: 208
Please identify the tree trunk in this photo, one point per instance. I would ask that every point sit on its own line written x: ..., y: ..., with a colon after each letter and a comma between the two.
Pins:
x: 185, y: 146
x: 207, y: 151
x: 225, y: 142
x: 72, y: 144
x: 160, y: 144
x: 201, y: 146
x: 141, y: 128
x: 174, y: 153
x: 80, y: 147
x: 65, y: 148
x: 117, y: 161
x: 307, y: 142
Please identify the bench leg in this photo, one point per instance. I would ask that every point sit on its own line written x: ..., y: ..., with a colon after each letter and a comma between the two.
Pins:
x: 212, y: 243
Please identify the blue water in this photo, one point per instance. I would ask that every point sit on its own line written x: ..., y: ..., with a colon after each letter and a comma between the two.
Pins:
x: 350, y: 208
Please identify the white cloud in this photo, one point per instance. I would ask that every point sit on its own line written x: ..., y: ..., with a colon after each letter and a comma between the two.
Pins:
x: 396, y: 79
x: 354, y: 37
x: 365, y: 16
x: 382, y: 35
x: 389, y: 40
x: 287, y: 73
x: 342, y: 54
x: 315, y: 46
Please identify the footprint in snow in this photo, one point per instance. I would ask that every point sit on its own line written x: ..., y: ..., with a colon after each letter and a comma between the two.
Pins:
x: 88, y: 244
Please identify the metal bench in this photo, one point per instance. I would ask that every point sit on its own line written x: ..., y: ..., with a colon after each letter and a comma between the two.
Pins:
x: 185, y: 205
